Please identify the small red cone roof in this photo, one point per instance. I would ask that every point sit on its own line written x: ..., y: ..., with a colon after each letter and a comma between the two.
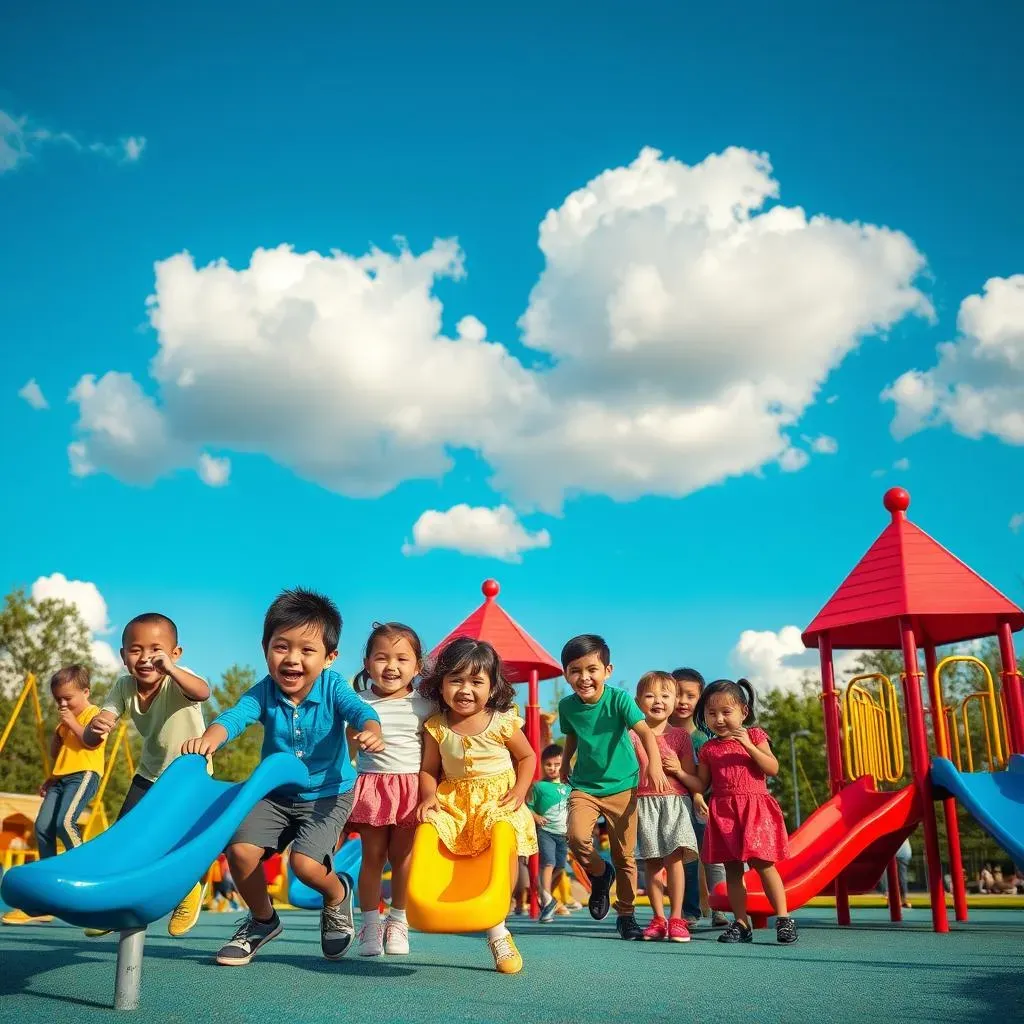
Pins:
x: 520, y: 653
x: 907, y: 573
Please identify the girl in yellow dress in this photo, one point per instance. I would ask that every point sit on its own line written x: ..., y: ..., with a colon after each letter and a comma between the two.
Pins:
x: 477, y: 764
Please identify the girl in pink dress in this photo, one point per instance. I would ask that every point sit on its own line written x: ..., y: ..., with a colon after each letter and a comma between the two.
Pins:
x: 745, y: 822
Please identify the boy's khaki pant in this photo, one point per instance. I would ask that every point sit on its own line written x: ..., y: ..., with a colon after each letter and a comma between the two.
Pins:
x: 619, y: 810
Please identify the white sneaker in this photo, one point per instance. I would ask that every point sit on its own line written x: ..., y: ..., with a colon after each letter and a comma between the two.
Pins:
x: 370, y: 940
x: 396, y: 938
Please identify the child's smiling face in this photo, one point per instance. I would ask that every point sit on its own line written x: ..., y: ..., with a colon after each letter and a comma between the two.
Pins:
x: 392, y: 666
x: 587, y: 676
x: 657, y: 702
x: 466, y: 691
x: 552, y: 767
x: 295, y: 659
x: 141, y: 641
x: 724, y: 714
x: 687, y: 695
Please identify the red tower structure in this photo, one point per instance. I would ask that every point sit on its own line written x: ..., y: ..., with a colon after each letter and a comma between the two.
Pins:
x: 906, y: 590
x: 524, y: 661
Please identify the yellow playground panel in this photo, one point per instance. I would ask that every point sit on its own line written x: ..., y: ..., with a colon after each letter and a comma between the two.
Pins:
x: 872, y: 733
x: 990, y: 708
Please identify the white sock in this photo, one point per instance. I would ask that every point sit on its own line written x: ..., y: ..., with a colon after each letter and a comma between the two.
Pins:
x: 499, y: 931
x: 545, y: 897
x: 397, y: 915
x: 371, y: 918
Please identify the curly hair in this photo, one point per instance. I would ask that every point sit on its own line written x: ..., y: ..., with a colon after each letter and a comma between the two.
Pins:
x: 465, y: 654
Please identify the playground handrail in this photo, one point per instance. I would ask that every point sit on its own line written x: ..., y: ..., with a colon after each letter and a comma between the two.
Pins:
x: 29, y: 687
x: 990, y: 709
x: 872, y: 734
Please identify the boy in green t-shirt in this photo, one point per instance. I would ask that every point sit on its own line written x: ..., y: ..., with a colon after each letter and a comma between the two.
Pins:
x: 596, y: 721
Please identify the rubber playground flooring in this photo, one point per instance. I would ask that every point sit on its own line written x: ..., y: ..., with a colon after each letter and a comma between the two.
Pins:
x: 576, y: 970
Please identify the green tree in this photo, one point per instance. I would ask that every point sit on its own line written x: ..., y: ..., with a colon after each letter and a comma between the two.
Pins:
x: 237, y: 760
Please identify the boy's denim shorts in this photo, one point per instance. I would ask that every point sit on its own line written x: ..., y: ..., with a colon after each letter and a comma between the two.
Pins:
x: 553, y: 849
x: 313, y: 827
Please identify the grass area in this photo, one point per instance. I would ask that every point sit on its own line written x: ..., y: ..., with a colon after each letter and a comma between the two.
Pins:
x: 576, y: 970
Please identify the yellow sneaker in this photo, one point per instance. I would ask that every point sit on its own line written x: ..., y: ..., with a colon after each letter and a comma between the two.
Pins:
x: 20, y: 917
x: 506, y: 957
x: 186, y: 913
x: 96, y: 933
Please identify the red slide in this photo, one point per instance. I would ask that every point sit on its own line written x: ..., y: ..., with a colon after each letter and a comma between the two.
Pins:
x: 858, y: 831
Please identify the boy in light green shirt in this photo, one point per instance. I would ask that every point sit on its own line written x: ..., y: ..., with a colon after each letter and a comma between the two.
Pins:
x: 596, y: 721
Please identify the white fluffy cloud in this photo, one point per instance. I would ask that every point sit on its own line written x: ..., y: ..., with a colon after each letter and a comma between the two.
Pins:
x: 33, y: 394
x: 779, y: 660
x: 214, y: 472
x: 1017, y: 521
x: 977, y: 385
x: 824, y: 445
x: 487, y: 532
x: 21, y: 139
x: 685, y: 323
x: 91, y: 605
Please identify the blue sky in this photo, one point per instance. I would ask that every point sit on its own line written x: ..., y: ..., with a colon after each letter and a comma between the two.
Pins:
x: 342, y: 129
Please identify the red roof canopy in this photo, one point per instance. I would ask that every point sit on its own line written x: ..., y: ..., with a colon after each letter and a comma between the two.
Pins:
x: 907, y: 573
x: 520, y: 653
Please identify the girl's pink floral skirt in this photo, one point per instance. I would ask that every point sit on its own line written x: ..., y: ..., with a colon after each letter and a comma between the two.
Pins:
x: 384, y: 799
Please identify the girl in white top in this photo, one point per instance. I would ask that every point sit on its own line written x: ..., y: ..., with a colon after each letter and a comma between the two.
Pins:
x: 387, y: 790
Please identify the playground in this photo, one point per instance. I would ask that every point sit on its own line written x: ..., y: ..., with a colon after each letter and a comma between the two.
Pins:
x: 900, y: 758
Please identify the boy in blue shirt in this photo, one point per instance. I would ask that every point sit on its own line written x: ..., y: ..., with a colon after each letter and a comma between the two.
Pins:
x: 304, y: 710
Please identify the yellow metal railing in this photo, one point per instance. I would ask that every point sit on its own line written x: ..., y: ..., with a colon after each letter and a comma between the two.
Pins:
x: 872, y: 733
x: 98, y: 818
x: 992, y: 709
x: 30, y: 688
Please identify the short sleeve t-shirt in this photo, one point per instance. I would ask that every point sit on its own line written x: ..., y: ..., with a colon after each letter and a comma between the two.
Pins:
x: 673, y: 740
x: 551, y: 800
x: 698, y: 739
x: 605, y: 760
x: 401, y: 725
x: 73, y: 755
x: 170, y: 719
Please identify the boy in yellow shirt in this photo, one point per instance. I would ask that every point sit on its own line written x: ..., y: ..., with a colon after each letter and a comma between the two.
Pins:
x: 77, y: 770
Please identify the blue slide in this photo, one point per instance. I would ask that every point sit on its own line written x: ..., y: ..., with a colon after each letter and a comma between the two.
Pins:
x: 994, y: 799
x: 139, y: 869
x: 347, y: 861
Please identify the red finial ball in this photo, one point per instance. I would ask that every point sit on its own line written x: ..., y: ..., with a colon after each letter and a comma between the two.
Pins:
x: 896, y: 500
x: 490, y: 588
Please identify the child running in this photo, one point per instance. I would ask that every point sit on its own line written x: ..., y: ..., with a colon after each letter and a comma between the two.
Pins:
x: 304, y: 709
x: 387, y: 791
x: 163, y: 700
x: 77, y: 770
x: 477, y: 765
x: 665, y: 839
x: 596, y: 720
x: 745, y: 822
x: 689, y: 686
x: 549, y: 804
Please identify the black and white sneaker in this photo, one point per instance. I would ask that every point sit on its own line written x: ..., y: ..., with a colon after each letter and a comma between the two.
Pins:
x: 600, y: 901
x: 337, y: 927
x: 736, y: 932
x: 628, y: 929
x: 248, y: 938
x: 547, y: 914
x: 785, y: 930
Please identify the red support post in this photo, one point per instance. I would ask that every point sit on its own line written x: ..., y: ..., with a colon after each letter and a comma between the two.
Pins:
x: 834, y: 754
x: 956, y: 863
x: 533, y: 735
x: 1012, y: 689
x: 921, y: 765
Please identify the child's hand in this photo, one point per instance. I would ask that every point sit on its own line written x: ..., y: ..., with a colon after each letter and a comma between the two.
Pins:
x: 161, y: 662
x: 700, y: 807
x: 513, y: 799
x: 45, y: 786
x: 742, y: 736
x: 198, y: 745
x: 369, y: 740
x: 657, y: 778
x: 426, y: 809
x: 101, y: 726
x: 671, y: 763
x: 67, y: 717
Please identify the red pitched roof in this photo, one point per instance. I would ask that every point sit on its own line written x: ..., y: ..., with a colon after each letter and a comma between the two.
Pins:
x: 907, y: 573
x: 520, y: 653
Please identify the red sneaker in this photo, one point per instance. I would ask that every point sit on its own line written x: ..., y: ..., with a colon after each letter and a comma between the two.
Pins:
x: 657, y: 930
x: 678, y: 931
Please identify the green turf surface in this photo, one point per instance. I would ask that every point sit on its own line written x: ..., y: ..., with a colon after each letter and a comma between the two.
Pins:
x: 576, y: 970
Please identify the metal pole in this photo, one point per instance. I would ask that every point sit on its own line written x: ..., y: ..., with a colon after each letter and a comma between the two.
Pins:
x: 796, y: 784
x: 128, y: 981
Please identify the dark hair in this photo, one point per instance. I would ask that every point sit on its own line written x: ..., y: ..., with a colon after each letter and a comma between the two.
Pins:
x: 649, y: 678
x: 151, y: 619
x: 584, y: 644
x: 553, y: 750
x: 688, y: 675
x: 741, y: 691
x: 476, y: 656
x: 76, y: 675
x: 393, y: 631
x: 300, y: 607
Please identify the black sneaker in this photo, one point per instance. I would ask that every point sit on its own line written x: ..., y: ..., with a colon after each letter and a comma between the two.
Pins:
x: 600, y: 903
x: 248, y: 938
x: 627, y: 928
x: 547, y: 914
x: 736, y: 932
x: 337, y: 928
x: 785, y: 930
